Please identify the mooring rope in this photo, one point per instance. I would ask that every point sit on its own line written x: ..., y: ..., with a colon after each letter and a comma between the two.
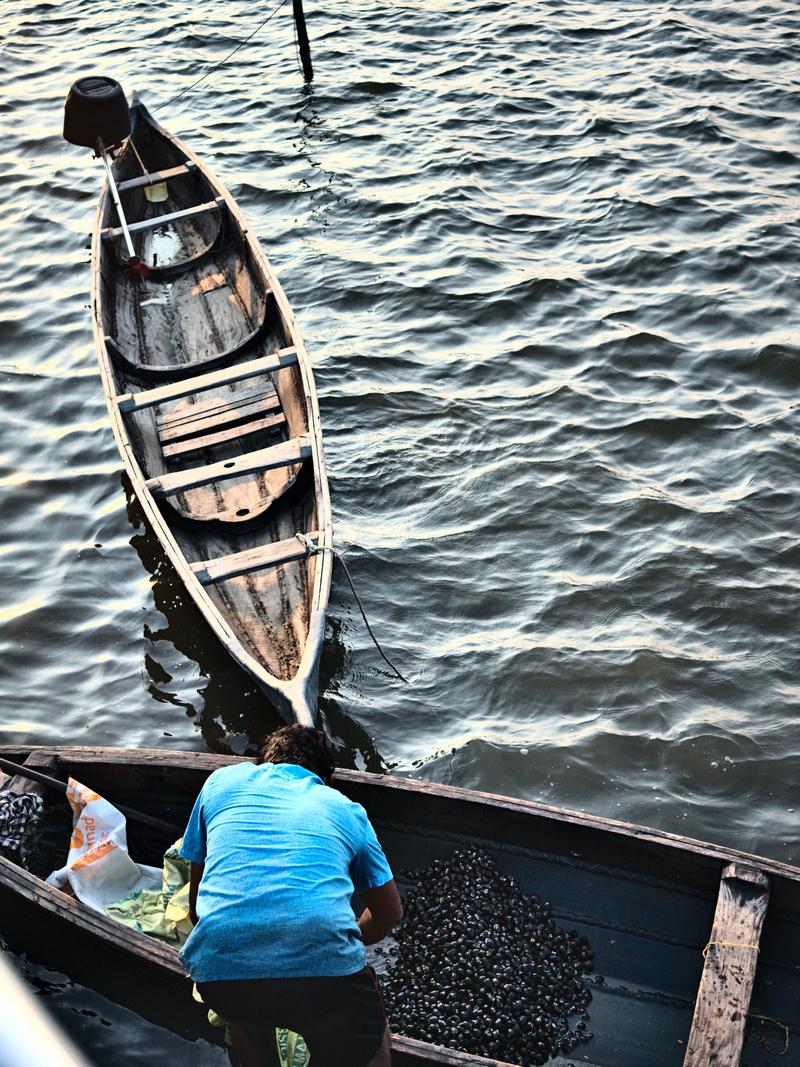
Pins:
x: 763, y: 1040
x: 223, y: 61
x: 313, y: 549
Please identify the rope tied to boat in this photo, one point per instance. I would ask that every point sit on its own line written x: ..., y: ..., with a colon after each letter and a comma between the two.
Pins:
x: 763, y: 1040
x: 313, y: 549
x: 224, y: 60
x: 729, y: 944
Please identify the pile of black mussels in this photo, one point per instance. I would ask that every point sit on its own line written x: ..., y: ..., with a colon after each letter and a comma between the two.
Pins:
x: 481, y: 967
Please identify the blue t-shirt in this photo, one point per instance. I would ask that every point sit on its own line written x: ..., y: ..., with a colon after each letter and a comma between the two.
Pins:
x: 283, y: 853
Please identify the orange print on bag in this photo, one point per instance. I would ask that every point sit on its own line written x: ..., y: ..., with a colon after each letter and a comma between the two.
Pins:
x: 84, y: 832
x: 79, y: 796
x: 92, y: 855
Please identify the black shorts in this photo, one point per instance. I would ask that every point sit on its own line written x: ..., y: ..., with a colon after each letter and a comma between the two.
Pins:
x: 342, y: 1020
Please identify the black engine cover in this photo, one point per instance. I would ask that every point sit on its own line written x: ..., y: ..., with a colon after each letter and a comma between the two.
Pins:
x: 96, y: 107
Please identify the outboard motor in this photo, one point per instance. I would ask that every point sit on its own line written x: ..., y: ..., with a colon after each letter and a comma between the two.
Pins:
x: 96, y: 108
x: 97, y: 116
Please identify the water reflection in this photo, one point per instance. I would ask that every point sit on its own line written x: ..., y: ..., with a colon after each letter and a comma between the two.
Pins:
x: 232, y: 712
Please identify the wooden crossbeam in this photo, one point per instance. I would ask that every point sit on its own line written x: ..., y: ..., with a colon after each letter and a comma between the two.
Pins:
x: 37, y: 761
x: 167, y: 419
x: 165, y: 220
x: 239, y: 372
x: 157, y: 176
x: 283, y: 455
x: 206, y: 417
x: 253, y: 559
x: 232, y: 433
x: 726, y: 985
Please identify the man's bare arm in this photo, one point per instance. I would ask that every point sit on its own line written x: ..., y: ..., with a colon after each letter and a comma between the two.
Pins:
x: 383, y: 910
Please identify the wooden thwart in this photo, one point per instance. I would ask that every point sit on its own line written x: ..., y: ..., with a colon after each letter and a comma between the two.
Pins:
x: 265, y: 459
x: 253, y: 559
x: 157, y: 176
x: 232, y: 433
x: 726, y: 985
x: 165, y: 220
x: 211, y: 326
x: 37, y: 761
x: 214, y: 414
x: 239, y: 372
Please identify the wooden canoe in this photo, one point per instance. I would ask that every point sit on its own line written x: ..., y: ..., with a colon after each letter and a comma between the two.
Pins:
x: 214, y: 410
x: 648, y: 901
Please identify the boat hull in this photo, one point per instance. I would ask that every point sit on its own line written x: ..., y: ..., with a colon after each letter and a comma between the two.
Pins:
x: 645, y: 899
x: 214, y: 410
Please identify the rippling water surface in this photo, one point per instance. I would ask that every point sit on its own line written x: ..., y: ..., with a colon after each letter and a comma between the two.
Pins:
x: 545, y: 258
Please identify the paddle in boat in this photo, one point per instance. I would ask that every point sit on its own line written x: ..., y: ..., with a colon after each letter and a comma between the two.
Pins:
x: 696, y: 947
x: 210, y: 393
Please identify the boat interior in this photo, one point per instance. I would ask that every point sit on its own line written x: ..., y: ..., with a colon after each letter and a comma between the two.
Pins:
x: 202, y: 363
x: 646, y: 906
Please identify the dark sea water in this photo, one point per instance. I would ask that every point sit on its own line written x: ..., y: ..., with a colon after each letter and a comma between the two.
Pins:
x: 546, y: 259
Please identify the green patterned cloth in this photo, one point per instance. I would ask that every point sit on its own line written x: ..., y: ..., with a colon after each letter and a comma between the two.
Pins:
x: 164, y: 913
x: 292, y: 1050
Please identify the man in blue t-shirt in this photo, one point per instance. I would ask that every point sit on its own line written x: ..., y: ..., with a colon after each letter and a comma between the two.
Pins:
x: 275, y: 857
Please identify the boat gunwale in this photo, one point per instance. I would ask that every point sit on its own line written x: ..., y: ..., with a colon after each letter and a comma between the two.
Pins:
x: 179, y: 759
x: 295, y: 698
x: 164, y: 958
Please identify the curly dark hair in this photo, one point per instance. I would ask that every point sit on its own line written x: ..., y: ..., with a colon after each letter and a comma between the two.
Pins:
x: 301, y: 745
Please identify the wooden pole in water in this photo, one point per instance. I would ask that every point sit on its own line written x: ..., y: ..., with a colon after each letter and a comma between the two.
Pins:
x: 302, y: 39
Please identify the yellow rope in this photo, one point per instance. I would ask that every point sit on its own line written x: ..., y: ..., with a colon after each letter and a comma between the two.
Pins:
x: 728, y: 944
x: 136, y: 153
x: 763, y: 1040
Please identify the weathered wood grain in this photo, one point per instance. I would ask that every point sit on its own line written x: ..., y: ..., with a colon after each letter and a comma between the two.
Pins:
x: 143, y: 319
x: 219, y: 305
x: 165, y: 220
x: 723, y: 999
x: 214, y: 414
x: 239, y: 372
x: 285, y: 454
x: 253, y: 559
x: 210, y: 316
x: 424, y: 809
x: 44, y: 761
x: 232, y: 433
x: 157, y: 176
x: 96, y: 926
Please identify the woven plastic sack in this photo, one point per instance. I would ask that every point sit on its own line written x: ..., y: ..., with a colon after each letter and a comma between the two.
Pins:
x: 98, y: 868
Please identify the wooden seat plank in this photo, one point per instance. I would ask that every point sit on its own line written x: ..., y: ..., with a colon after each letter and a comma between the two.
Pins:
x: 726, y: 985
x: 156, y: 176
x: 239, y: 372
x: 232, y: 433
x: 167, y: 419
x: 252, y: 559
x: 165, y: 220
x: 285, y: 454
x: 208, y: 418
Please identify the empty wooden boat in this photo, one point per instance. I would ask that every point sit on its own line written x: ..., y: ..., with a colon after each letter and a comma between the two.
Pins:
x: 213, y: 404
x: 649, y: 902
